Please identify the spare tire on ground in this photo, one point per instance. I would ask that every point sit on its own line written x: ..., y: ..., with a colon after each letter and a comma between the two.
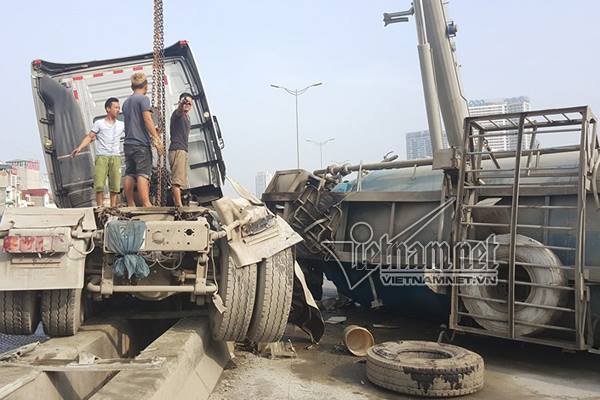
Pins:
x: 493, y: 315
x: 425, y: 368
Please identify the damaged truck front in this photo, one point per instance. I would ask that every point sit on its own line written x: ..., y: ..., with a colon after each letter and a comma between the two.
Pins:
x: 231, y: 255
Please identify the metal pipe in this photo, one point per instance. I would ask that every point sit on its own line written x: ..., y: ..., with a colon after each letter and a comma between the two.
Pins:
x: 432, y: 103
x: 452, y: 103
x: 511, y: 153
x: 297, y: 133
x: 517, y: 322
x: 347, y: 169
x: 519, y: 303
x: 152, y: 288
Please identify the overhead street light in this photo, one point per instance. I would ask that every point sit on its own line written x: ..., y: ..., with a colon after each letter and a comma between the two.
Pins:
x: 321, y: 144
x: 296, y: 93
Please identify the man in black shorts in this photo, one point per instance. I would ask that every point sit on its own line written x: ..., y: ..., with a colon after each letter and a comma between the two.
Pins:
x: 140, y: 134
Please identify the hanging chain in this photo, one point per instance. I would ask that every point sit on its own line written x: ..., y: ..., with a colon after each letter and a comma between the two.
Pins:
x: 158, y: 97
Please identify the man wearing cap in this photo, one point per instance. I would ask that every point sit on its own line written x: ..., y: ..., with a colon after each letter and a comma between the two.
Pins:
x: 140, y: 135
x: 178, y: 149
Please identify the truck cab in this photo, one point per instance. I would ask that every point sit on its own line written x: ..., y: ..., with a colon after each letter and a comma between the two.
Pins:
x: 68, y: 98
x: 232, y: 256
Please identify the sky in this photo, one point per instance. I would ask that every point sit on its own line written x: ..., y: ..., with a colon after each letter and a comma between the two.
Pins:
x: 371, y: 93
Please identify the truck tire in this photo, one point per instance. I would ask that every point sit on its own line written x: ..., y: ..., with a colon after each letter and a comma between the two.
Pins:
x: 237, y: 289
x: 273, y: 297
x: 425, y: 368
x: 20, y: 312
x: 551, y: 276
x: 62, y: 311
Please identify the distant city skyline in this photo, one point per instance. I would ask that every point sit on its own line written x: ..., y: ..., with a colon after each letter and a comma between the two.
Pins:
x: 418, y: 144
x: 501, y: 106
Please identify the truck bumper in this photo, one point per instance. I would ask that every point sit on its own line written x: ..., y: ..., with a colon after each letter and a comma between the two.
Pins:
x: 67, y: 273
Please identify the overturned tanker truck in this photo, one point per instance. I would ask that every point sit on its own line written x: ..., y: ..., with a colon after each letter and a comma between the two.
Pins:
x: 499, y: 242
x: 232, y: 256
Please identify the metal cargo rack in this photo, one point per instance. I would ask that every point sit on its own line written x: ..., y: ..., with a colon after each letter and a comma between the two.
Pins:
x: 517, y: 176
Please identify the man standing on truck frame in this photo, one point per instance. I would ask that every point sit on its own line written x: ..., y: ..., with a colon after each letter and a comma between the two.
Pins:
x: 107, y: 133
x: 178, y: 149
x: 140, y: 135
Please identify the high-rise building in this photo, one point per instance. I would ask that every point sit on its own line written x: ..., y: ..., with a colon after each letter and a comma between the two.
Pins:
x: 418, y: 144
x: 262, y: 180
x: 501, y: 106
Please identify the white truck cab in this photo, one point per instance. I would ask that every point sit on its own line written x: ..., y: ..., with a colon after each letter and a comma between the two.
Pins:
x: 233, y: 256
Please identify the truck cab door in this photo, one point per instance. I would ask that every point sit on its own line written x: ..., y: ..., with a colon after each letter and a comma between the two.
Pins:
x: 71, y: 178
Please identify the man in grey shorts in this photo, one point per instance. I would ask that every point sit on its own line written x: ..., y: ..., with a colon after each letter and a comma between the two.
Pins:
x: 140, y: 135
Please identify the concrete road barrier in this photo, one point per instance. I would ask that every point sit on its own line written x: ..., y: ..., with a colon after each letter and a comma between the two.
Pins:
x: 193, y: 366
x: 103, y: 339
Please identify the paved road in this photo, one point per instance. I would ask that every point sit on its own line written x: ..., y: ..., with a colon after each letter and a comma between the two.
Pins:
x: 513, y: 370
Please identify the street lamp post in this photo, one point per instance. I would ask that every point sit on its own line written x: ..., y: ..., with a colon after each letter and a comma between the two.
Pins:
x: 321, y: 144
x: 296, y: 93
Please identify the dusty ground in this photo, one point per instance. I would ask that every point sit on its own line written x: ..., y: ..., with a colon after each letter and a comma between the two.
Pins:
x: 513, y: 370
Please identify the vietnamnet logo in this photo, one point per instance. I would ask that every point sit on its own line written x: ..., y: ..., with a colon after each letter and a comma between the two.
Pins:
x: 416, y: 264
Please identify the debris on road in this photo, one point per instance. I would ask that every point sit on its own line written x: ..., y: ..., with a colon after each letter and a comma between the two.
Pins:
x: 336, y: 319
x: 358, y: 340
x: 385, y: 326
x: 279, y: 349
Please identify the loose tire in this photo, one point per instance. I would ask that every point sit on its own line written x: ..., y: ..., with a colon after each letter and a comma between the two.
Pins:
x: 62, y: 312
x: 551, y: 276
x: 273, y: 297
x: 425, y: 368
x: 19, y: 312
x: 237, y: 288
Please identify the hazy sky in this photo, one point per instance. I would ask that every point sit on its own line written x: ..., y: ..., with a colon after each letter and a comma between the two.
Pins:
x: 372, y: 95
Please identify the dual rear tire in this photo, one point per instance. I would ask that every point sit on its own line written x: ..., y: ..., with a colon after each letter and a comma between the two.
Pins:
x: 273, y: 298
x: 60, y: 311
x: 19, y: 312
x: 257, y: 298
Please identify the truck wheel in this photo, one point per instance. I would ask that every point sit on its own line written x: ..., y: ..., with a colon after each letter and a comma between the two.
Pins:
x: 19, y: 312
x: 237, y: 288
x: 273, y: 297
x: 550, y: 276
x: 62, y: 311
x: 425, y: 368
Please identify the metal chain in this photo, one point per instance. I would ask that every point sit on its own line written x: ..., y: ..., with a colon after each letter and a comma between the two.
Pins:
x: 158, y: 97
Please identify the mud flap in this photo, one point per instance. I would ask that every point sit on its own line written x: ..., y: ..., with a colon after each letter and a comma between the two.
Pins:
x: 304, y: 313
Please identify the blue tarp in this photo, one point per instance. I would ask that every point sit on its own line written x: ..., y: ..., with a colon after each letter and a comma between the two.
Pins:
x: 125, y: 239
